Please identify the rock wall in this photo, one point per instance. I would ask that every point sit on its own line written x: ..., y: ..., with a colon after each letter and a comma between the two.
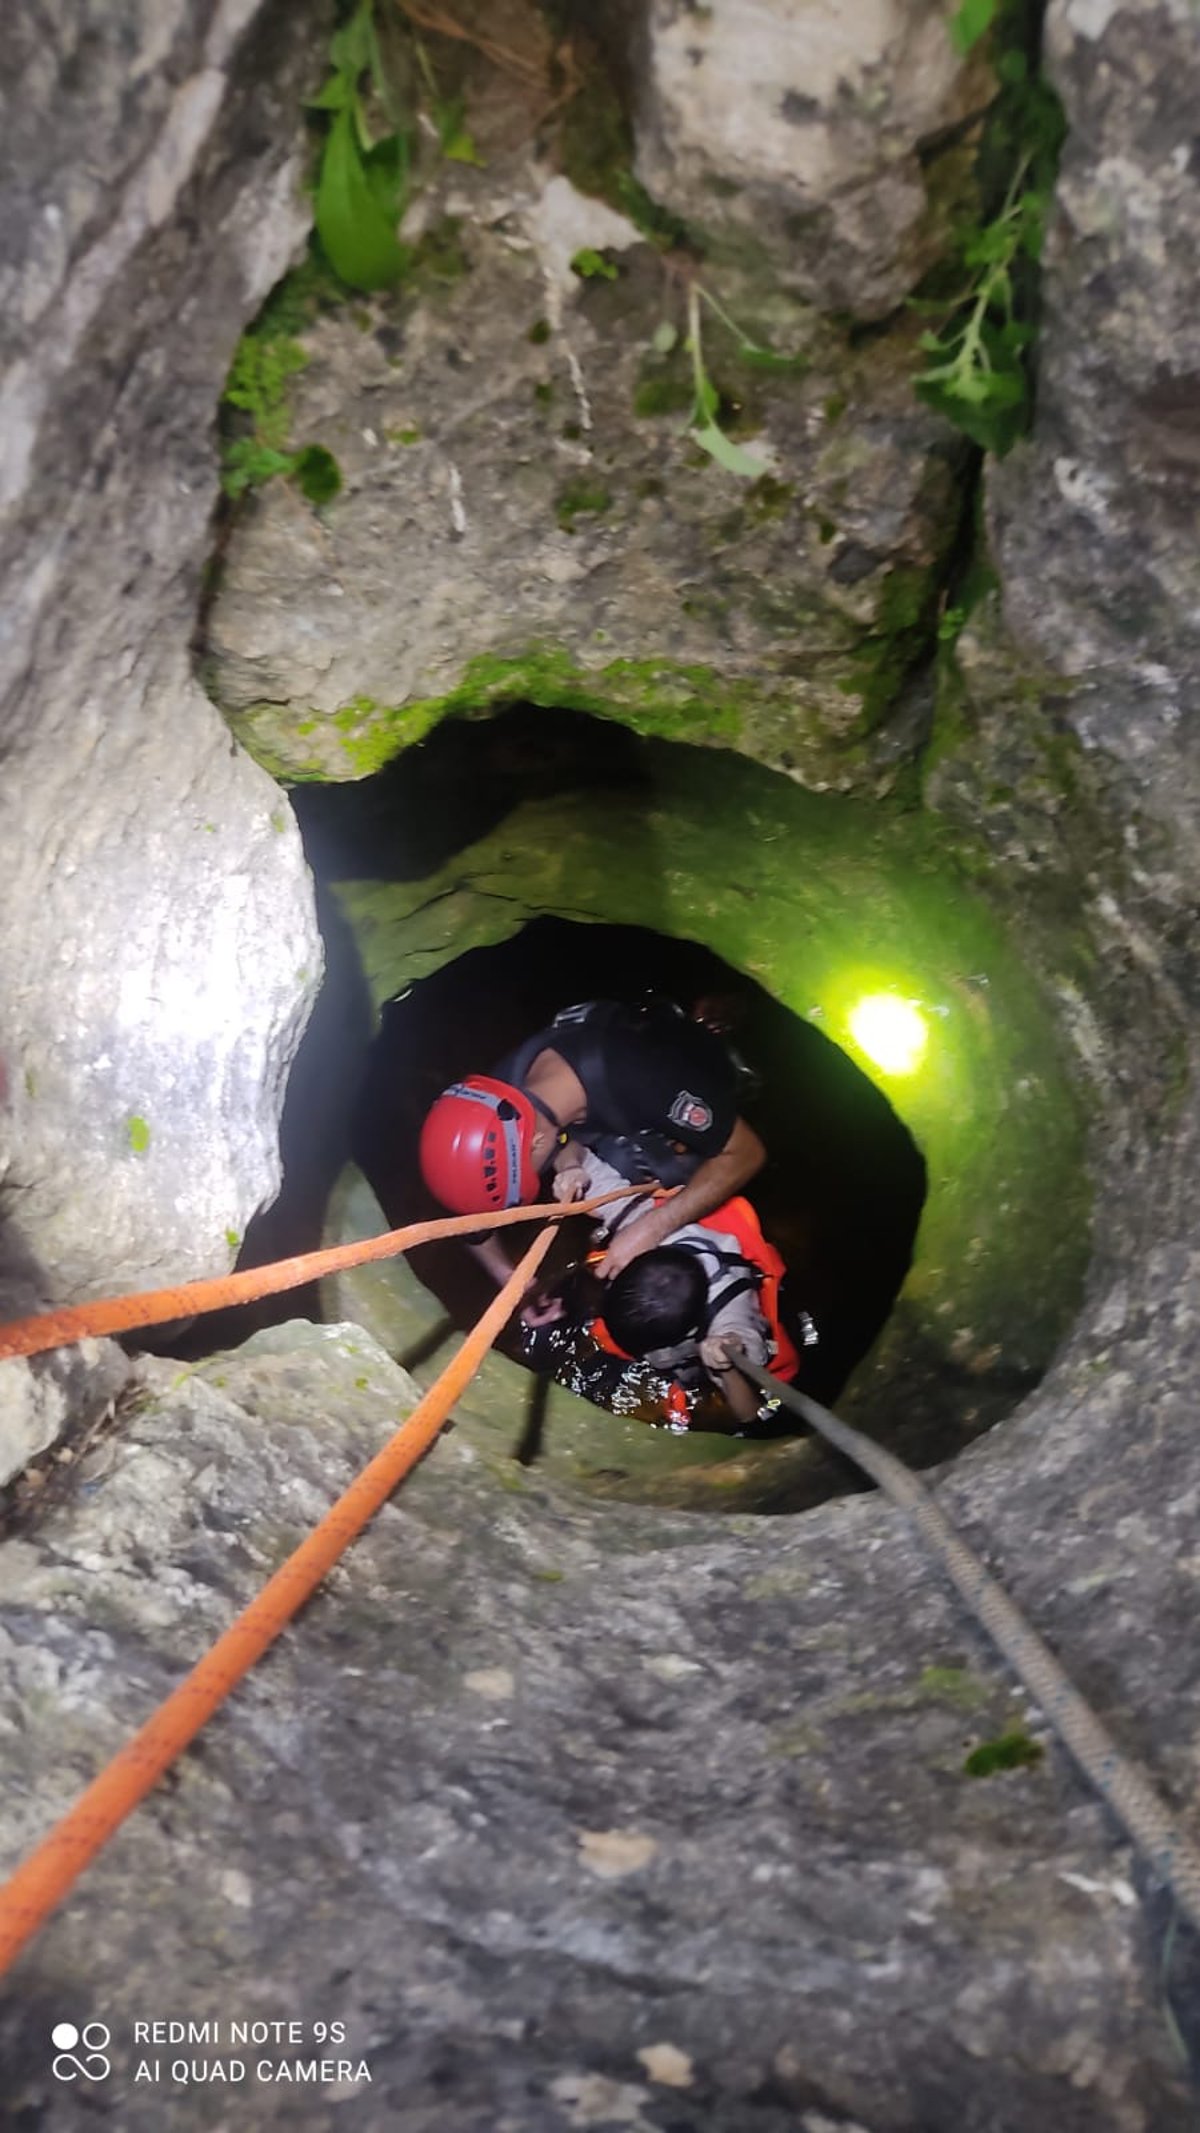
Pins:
x: 582, y: 1814
x: 812, y: 131
x: 1094, y: 518
x: 161, y: 952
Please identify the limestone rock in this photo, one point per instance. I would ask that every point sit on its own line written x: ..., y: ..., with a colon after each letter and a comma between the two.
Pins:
x: 41, y: 1395
x: 805, y: 129
x: 160, y: 950
x: 525, y: 515
x: 565, y: 1784
x: 1095, y: 518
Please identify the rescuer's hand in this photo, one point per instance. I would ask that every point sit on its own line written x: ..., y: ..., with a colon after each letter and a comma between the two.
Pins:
x: 542, y: 1307
x: 628, y: 1244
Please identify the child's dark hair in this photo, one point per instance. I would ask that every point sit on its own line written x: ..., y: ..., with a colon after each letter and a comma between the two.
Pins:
x: 656, y: 1301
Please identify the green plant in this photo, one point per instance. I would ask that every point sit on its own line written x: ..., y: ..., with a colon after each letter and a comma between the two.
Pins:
x: 1013, y: 1750
x: 456, y: 142
x: 704, y: 426
x: 593, y: 266
x: 265, y: 361
x: 362, y: 183
x: 979, y: 375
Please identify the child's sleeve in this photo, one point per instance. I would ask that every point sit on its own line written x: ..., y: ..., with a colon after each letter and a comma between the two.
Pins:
x: 743, y: 1318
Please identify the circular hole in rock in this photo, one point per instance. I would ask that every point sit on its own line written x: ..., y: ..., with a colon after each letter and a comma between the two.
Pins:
x: 539, y: 819
x: 841, y: 1191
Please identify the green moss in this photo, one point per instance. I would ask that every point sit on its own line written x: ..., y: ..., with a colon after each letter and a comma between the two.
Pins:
x: 317, y: 474
x: 539, y: 332
x: 834, y: 407
x: 303, y: 295
x: 255, y: 407
x: 1013, y: 1750
x: 668, y: 231
x: 595, y: 143
x: 768, y: 498
x: 543, y: 393
x: 663, y: 392
x: 902, y: 632
x: 581, y: 497
x: 137, y: 1132
x: 595, y: 146
x: 669, y: 699
x: 953, y: 1685
x: 439, y: 256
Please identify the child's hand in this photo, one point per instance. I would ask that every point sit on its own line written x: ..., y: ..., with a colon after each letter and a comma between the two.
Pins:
x: 714, y: 1354
x: 570, y: 1184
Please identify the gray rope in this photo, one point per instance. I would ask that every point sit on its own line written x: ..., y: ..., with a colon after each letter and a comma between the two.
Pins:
x: 1133, y: 1799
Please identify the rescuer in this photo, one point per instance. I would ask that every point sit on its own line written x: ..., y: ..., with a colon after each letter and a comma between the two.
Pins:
x: 649, y: 1091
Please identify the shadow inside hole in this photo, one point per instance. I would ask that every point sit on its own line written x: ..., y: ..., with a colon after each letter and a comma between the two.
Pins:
x: 843, y: 1186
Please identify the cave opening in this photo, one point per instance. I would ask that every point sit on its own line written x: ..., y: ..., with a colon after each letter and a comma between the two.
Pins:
x: 840, y: 1194
x: 512, y: 862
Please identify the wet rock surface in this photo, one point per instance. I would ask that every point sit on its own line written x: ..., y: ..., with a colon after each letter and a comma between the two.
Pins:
x: 582, y: 1818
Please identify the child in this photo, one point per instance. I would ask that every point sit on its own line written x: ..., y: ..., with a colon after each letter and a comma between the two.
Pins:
x: 680, y: 1309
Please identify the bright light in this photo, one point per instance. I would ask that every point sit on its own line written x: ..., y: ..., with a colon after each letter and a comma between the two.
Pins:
x: 890, y: 1031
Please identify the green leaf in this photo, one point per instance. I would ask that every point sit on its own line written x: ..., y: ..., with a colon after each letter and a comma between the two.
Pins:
x: 350, y: 47
x: 591, y: 265
x: 389, y: 77
x: 727, y: 454
x: 708, y: 399
x: 973, y: 20
x: 355, y: 227
x: 460, y: 148
x: 335, y: 96
x: 665, y: 338
x: 247, y: 464
x: 1012, y: 67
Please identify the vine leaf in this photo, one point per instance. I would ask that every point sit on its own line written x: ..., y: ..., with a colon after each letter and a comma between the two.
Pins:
x: 973, y: 20
x: 357, y: 207
x: 727, y: 454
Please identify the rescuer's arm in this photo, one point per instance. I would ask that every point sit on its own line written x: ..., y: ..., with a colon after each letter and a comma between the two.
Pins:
x: 716, y: 1180
x: 489, y: 1253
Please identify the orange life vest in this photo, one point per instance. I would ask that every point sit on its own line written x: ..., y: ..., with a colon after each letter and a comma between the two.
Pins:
x: 736, y: 1218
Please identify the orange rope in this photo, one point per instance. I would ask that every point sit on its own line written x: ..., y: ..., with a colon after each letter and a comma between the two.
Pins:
x: 43, y: 1879
x: 153, y: 1307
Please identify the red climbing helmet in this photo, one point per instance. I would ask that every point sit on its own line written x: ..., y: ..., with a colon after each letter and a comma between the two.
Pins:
x: 477, y: 1147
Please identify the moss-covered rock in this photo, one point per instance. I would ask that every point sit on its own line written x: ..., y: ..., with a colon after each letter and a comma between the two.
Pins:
x: 525, y: 510
x: 826, y: 901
